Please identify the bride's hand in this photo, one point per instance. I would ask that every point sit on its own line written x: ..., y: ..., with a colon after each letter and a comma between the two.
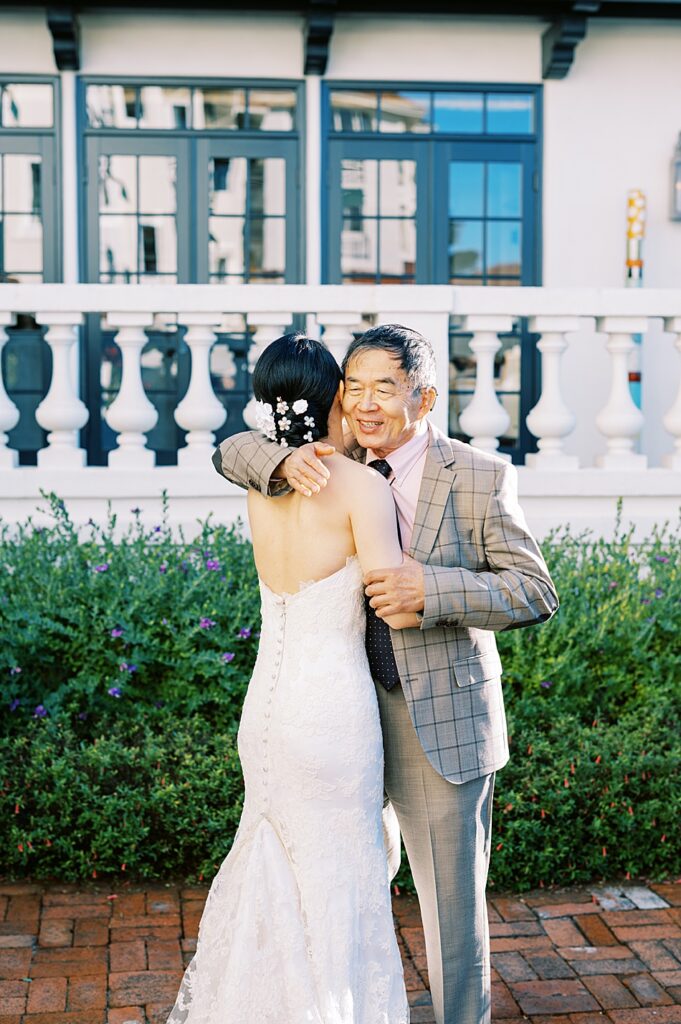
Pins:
x: 303, y: 469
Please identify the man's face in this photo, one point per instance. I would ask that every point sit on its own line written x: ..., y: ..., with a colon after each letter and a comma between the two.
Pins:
x: 381, y: 409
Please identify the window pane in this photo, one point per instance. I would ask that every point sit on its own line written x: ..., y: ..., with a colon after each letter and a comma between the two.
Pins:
x: 358, y: 248
x: 23, y: 243
x: 164, y: 107
x: 118, y: 184
x: 504, y: 197
x: 271, y: 110
x: 158, y: 245
x: 227, y: 185
x: 458, y: 112
x: 397, y: 248
x: 267, y: 256
x: 405, y: 112
x: 354, y: 111
x: 359, y: 185
x: 27, y: 105
x: 465, y: 247
x: 503, y: 247
x: 157, y: 184
x: 111, y: 106
x: 466, y: 195
x: 397, y: 180
x: 22, y: 174
x: 219, y: 108
x: 118, y: 247
x: 268, y: 186
x: 510, y: 113
x: 226, y: 245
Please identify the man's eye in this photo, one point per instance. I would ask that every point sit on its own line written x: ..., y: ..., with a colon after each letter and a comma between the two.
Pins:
x: 384, y: 394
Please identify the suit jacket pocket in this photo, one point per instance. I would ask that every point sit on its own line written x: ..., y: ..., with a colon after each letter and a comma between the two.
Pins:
x: 478, y: 669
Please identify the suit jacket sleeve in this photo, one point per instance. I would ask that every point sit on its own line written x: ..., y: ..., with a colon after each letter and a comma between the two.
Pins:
x: 516, y: 588
x: 249, y: 460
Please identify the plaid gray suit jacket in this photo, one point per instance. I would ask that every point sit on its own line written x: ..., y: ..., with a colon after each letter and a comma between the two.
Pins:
x: 483, y: 572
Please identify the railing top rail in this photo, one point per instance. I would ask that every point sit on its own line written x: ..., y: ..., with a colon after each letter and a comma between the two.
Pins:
x: 389, y: 299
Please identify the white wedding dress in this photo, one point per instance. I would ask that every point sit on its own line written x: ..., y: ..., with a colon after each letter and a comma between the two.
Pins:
x: 297, y: 927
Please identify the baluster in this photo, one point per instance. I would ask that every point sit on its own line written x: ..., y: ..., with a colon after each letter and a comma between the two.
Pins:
x: 550, y: 420
x: 484, y: 419
x: 338, y: 331
x: 61, y: 412
x: 268, y: 327
x: 200, y: 412
x: 620, y: 420
x: 9, y: 414
x: 131, y: 414
x: 672, y: 418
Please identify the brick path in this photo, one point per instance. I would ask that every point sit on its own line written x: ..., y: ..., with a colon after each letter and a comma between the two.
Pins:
x: 115, y: 955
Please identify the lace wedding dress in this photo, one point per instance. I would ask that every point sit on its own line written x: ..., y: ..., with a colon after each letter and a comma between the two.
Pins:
x: 297, y: 927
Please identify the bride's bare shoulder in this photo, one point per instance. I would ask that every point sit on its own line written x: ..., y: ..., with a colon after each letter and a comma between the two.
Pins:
x: 350, y: 473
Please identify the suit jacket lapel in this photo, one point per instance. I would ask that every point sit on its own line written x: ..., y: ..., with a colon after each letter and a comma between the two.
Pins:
x: 436, y: 486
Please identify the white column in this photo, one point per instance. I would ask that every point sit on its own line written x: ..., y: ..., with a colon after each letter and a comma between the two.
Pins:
x: 620, y: 420
x: 9, y: 414
x: 550, y: 420
x: 484, y: 419
x: 672, y: 418
x: 199, y: 412
x: 131, y: 414
x: 338, y: 331
x: 313, y: 179
x: 268, y: 327
x: 61, y: 411
x: 69, y: 193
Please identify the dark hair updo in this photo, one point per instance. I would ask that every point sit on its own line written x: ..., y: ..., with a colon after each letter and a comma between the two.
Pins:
x: 293, y: 368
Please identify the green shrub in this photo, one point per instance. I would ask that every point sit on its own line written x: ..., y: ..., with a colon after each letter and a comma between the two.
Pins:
x: 124, y: 660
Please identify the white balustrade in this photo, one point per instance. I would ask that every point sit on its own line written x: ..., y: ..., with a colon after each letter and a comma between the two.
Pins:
x: 550, y: 420
x: 484, y: 419
x: 61, y: 412
x: 672, y: 419
x: 131, y: 414
x: 338, y: 331
x: 268, y: 327
x: 9, y: 414
x: 200, y: 412
x: 620, y: 420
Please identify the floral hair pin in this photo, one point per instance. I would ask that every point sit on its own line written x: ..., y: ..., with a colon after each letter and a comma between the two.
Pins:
x: 267, y: 422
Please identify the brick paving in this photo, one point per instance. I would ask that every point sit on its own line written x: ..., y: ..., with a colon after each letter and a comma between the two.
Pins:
x: 115, y: 955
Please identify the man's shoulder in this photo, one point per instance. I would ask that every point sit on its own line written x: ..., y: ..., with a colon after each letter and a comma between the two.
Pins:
x: 464, y: 455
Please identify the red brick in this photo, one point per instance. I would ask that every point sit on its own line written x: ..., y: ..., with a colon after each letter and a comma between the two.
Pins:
x: 512, y: 967
x: 96, y: 910
x: 596, y: 953
x: 87, y: 993
x: 412, y: 979
x: 15, y: 941
x: 188, y: 945
x: 564, y: 933
x: 14, y: 963
x: 670, y: 892
x: 562, y: 996
x: 414, y: 941
x: 595, y: 930
x: 515, y: 928
x: 567, y: 910
x: 503, y: 1003
x: 127, y: 956
x: 19, y: 888
x: 55, y: 933
x: 74, y: 961
x: 493, y: 916
x: 627, y: 965
x: 129, y: 905
x: 653, y: 931
x: 647, y: 990
x: 46, y: 995
x: 674, y: 992
x: 157, y: 1013
x: 655, y: 956
x: 164, y: 956
x: 528, y: 942
x: 628, y: 918
x: 609, y: 991
x: 13, y: 996
x: 91, y: 933
x: 4, y: 900
x: 67, y: 898
x: 190, y: 923
x: 667, y: 978
x: 549, y: 965
x: 646, y: 1015
x: 143, y: 987
x: 674, y: 947
x: 130, y: 934
x: 147, y: 921
x: 126, y: 1015
x: 513, y: 910
x: 23, y: 907
x: 10, y: 1018
x: 161, y: 903
x: 66, y: 1017
x: 200, y: 893
x: 585, y: 1018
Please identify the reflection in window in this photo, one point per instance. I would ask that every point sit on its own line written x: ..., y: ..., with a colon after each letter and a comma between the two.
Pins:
x: 458, y: 113
x: 405, y: 112
x: 485, y: 210
x: 354, y: 111
x: 21, y: 228
x: 510, y: 113
x: 26, y: 105
x: 378, y: 235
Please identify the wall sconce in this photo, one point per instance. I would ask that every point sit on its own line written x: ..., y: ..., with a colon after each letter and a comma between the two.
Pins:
x: 676, y: 182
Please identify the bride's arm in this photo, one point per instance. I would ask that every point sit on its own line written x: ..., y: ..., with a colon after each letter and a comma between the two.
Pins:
x: 374, y: 525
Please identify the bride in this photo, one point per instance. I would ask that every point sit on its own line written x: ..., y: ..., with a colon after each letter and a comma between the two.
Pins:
x: 297, y: 927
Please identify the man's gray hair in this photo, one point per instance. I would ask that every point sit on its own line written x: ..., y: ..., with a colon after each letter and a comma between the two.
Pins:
x: 413, y: 352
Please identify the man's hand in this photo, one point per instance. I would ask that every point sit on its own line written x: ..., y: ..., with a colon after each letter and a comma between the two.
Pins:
x: 303, y: 470
x: 394, y: 591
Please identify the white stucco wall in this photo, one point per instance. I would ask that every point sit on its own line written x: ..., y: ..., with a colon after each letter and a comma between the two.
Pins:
x: 25, y: 43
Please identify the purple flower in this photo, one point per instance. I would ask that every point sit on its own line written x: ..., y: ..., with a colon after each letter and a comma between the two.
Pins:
x: 114, y: 691
x: 157, y: 529
x: 91, y: 522
x: 82, y: 715
x: 184, y: 566
x: 245, y: 632
x: 15, y: 670
x: 661, y: 558
x: 125, y: 667
x: 102, y: 568
x: 207, y: 623
x: 213, y: 565
x: 136, y: 511
x: 659, y: 593
x: 163, y: 567
x: 645, y: 600
x: 40, y: 711
x: 547, y: 684
x: 116, y: 632
x: 14, y: 704
x: 164, y: 622
x: 159, y: 703
x: 228, y: 656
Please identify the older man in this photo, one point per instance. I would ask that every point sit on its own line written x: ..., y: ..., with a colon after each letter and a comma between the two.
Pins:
x: 471, y: 567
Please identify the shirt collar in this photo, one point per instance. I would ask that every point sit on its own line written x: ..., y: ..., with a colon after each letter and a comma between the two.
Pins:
x: 404, y: 457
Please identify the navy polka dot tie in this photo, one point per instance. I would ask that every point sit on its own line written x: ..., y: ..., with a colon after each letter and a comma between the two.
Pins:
x: 378, y: 642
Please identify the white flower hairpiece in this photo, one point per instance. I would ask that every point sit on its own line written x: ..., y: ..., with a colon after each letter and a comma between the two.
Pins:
x: 300, y: 407
x: 264, y: 419
x: 282, y: 406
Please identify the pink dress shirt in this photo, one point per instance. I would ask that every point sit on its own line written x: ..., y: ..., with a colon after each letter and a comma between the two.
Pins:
x: 407, y: 465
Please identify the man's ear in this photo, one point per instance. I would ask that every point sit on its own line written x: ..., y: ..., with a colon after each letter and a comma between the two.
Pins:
x: 428, y: 398
x: 341, y: 390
